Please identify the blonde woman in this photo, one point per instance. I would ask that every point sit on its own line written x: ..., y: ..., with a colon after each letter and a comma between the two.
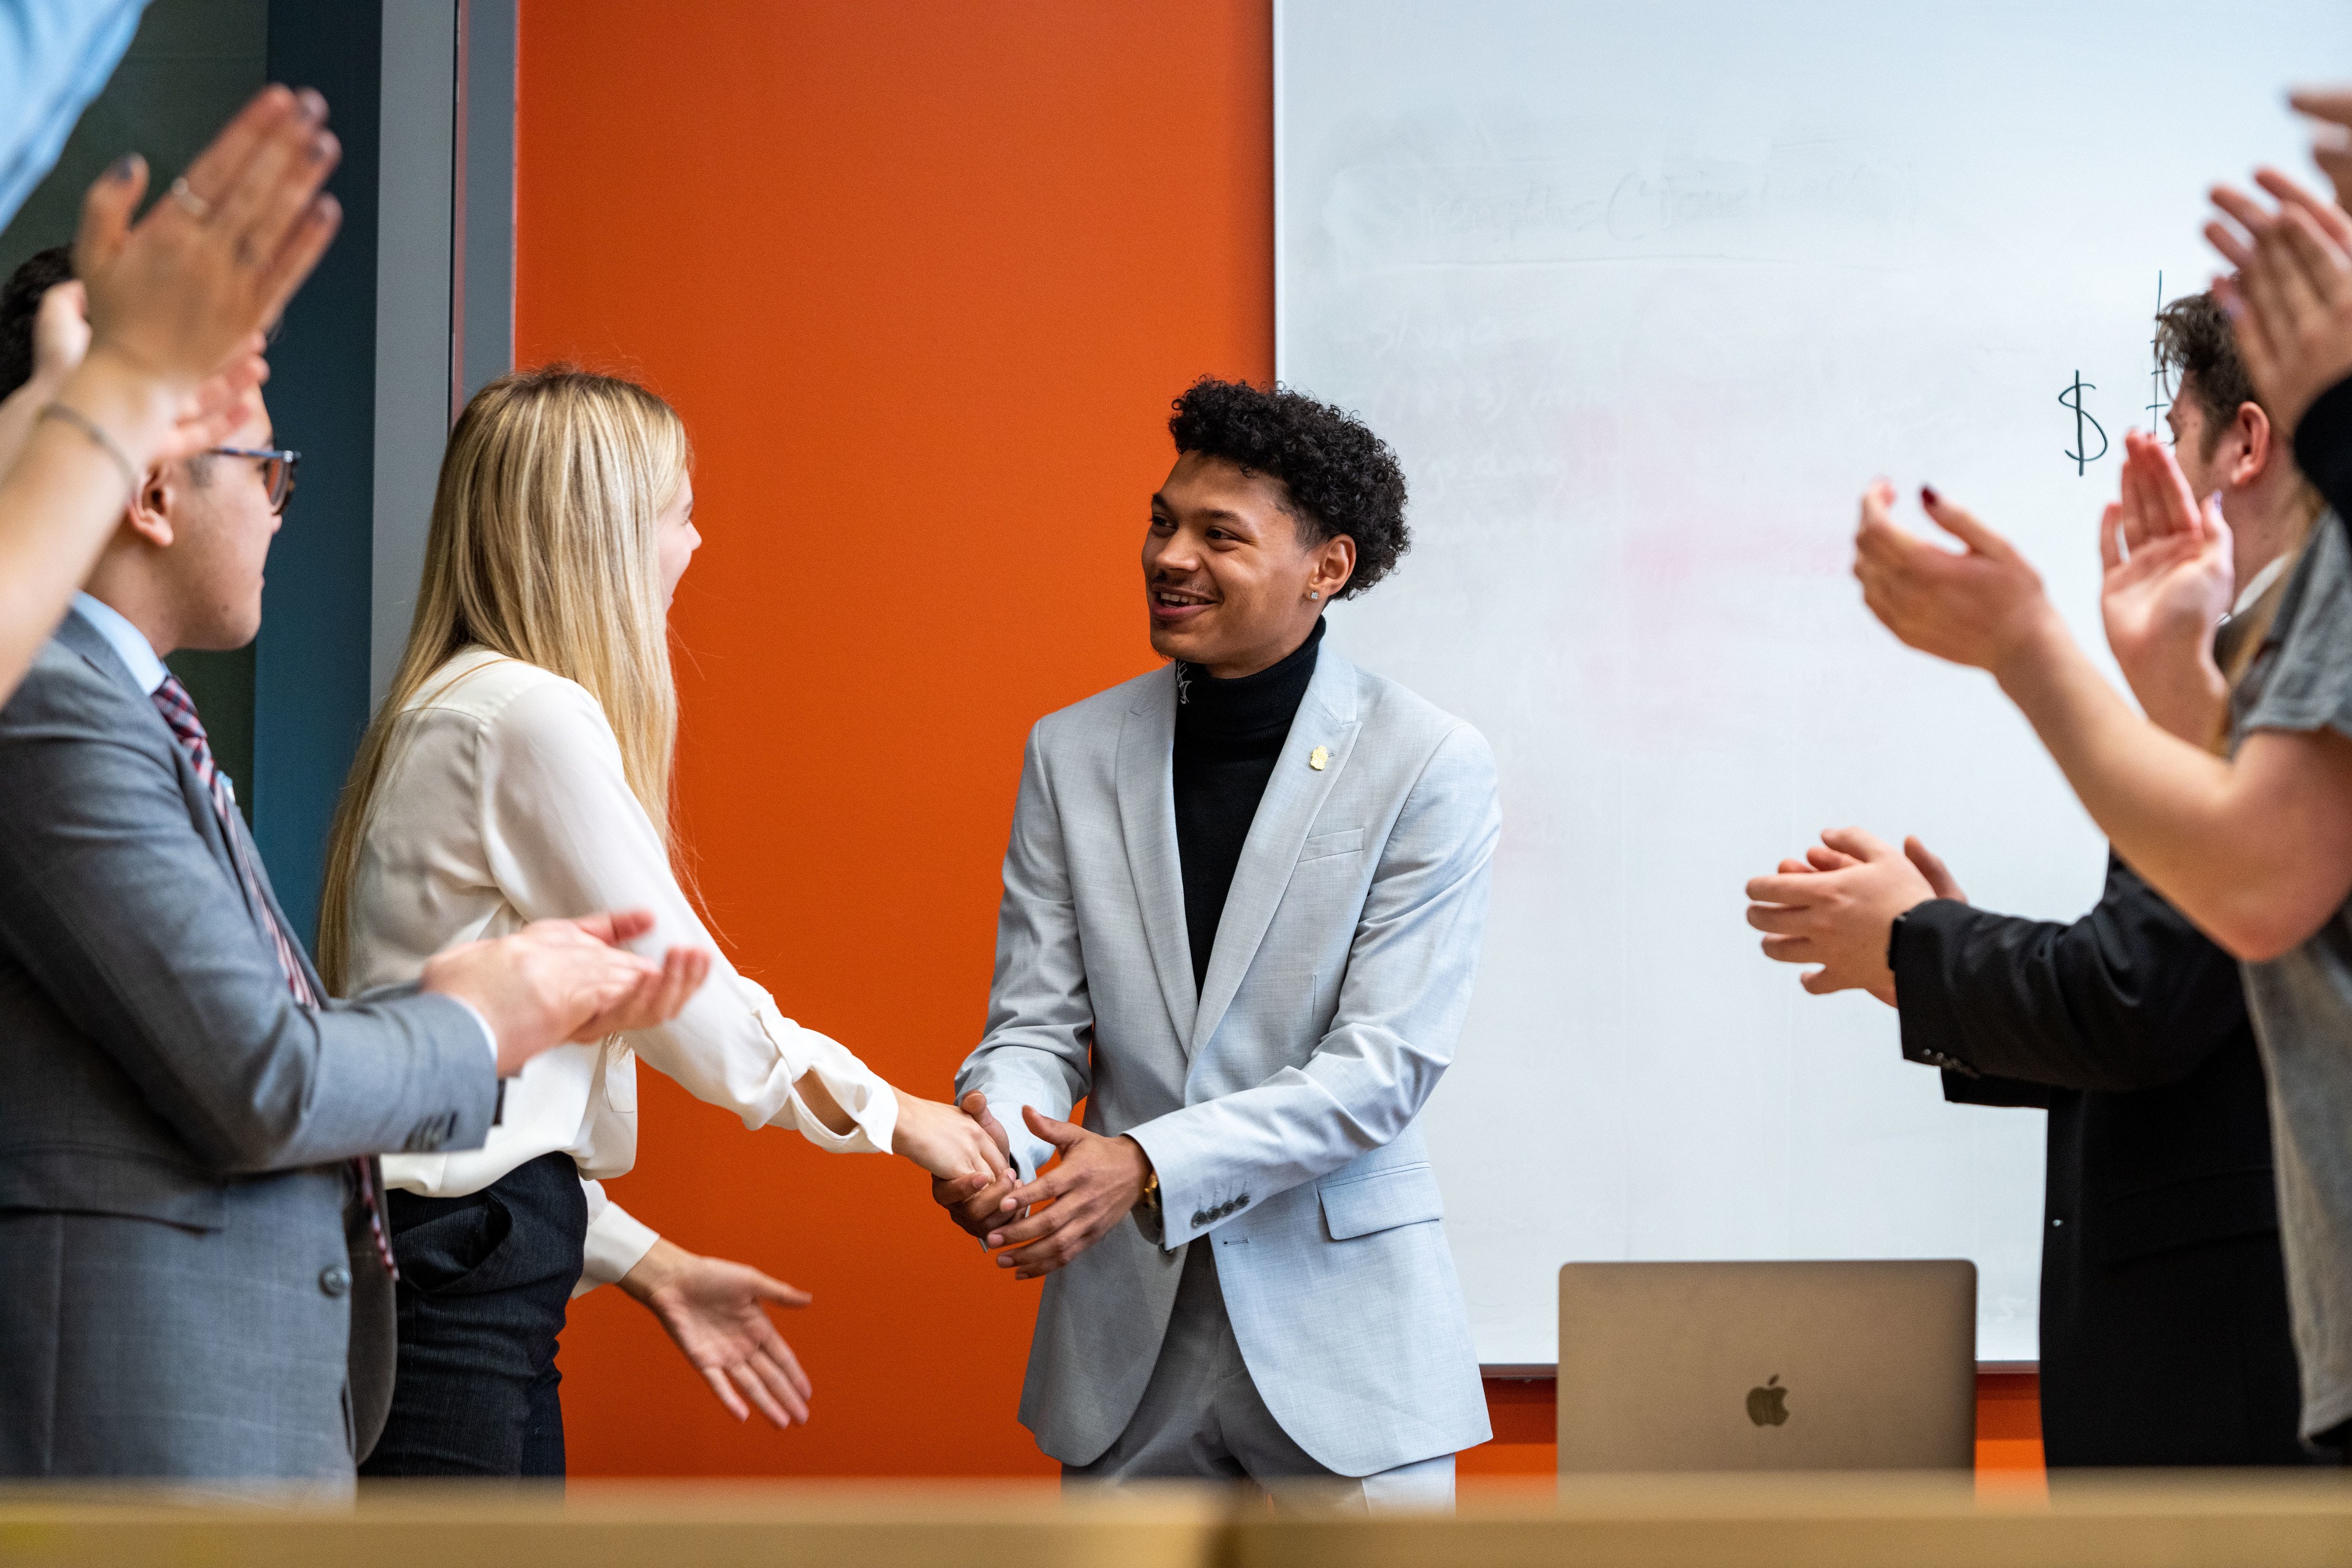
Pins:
x: 521, y: 768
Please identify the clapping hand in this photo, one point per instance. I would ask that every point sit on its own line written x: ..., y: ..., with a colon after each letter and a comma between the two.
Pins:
x: 181, y: 294
x: 207, y: 415
x: 559, y: 980
x: 2332, y: 151
x: 715, y: 1311
x: 1837, y: 907
x: 2168, y: 583
x: 2291, y: 301
x: 1982, y: 605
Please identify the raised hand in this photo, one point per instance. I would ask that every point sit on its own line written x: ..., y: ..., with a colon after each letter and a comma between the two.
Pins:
x: 2167, y: 583
x: 2291, y: 302
x: 182, y: 292
x: 976, y: 1200
x: 716, y: 1312
x: 1090, y: 1189
x: 219, y: 405
x: 2332, y: 152
x: 1838, y: 910
x: 1982, y: 605
x: 175, y: 305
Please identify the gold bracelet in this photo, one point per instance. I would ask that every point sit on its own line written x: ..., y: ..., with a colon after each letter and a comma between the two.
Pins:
x: 67, y: 414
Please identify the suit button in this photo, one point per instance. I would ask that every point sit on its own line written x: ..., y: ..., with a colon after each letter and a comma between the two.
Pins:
x: 1199, y: 1220
x: 334, y: 1278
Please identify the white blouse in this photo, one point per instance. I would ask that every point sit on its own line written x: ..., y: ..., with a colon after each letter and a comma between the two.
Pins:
x: 503, y: 801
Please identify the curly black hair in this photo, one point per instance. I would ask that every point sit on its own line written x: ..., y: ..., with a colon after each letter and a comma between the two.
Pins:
x: 20, y: 301
x: 1341, y: 478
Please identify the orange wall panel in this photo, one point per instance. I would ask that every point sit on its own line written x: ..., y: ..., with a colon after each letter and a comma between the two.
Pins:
x: 922, y: 278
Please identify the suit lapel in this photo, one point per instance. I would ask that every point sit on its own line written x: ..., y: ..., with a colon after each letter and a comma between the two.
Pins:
x: 99, y: 654
x: 1147, y: 821
x: 1294, y: 795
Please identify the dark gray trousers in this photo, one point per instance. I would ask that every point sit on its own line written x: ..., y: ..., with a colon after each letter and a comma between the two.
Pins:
x: 484, y: 1282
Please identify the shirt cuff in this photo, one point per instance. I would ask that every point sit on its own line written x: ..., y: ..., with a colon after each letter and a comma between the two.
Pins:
x: 490, y: 1038
x: 872, y: 1110
x: 1030, y: 1152
x: 858, y: 1088
x: 617, y: 1241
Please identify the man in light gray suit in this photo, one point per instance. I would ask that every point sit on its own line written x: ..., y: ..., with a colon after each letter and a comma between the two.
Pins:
x: 187, y: 1231
x: 1242, y: 909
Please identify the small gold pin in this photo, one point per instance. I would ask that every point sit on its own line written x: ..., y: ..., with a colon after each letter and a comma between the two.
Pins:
x: 1318, y: 757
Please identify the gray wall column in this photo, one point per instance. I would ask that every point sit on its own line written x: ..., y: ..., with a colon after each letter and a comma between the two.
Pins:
x: 444, y: 271
x: 413, y: 321
x: 486, y: 204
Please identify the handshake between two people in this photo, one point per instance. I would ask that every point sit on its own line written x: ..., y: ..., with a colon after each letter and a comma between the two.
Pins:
x: 1034, y: 1227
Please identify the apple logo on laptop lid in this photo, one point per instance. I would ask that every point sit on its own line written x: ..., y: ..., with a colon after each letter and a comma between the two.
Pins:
x: 1768, y: 1406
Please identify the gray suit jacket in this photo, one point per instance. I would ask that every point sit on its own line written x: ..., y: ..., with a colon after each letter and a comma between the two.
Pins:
x: 174, y: 1131
x: 1280, y: 1105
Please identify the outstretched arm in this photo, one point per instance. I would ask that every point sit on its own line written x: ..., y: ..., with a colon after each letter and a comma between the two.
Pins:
x: 565, y: 832
x: 1037, y: 1051
x: 2257, y: 851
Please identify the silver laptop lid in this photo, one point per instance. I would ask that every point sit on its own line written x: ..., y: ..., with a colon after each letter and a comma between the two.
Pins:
x: 1768, y: 1366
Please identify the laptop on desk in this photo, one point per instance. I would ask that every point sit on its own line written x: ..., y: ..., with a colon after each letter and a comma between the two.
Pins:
x: 1768, y: 1366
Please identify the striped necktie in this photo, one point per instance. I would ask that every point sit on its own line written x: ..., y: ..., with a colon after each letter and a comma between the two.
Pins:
x: 179, y: 710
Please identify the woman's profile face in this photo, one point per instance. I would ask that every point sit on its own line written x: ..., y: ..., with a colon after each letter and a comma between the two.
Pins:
x: 676, y: 538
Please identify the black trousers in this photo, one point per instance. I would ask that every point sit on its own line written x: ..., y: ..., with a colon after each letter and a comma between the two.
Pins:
x: 484, y: 1281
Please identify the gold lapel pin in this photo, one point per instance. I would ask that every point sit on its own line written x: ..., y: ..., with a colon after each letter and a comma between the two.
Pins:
x: 1318, y: 757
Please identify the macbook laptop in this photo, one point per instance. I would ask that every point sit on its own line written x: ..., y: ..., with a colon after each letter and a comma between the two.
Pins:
x: 1768, y: 1366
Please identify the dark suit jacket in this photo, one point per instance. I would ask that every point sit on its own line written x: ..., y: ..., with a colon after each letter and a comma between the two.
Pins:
x: 179, y: 1287
x: 2164, y: 1314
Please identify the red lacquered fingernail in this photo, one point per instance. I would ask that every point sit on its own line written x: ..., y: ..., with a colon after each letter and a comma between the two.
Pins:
x: 1927, y: 495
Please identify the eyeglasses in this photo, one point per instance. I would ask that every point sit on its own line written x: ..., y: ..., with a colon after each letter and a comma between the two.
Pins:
x: 276, y: 470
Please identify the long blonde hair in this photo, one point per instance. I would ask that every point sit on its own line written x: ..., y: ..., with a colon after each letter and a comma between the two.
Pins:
x: 544, y: 548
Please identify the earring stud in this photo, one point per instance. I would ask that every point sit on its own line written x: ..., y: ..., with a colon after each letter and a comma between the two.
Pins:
x: 1314, y: 593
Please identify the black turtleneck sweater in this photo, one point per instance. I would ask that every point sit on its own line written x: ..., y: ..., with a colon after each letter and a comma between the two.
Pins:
x: 1228, y: 735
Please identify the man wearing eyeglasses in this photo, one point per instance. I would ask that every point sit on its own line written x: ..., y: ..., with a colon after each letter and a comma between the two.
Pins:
x: 198, y: 1284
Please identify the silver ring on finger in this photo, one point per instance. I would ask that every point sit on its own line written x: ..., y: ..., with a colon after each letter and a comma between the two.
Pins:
x: 195, y: 205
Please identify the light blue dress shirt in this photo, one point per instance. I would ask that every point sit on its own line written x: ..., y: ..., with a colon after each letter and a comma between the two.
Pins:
x: 54, y: 57
x: 129, y: 643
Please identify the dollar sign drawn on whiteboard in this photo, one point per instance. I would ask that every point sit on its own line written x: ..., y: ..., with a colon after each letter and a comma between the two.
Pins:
x: 2073, y: 398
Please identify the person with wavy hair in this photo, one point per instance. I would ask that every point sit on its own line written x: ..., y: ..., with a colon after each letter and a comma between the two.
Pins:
x: 521, y: 766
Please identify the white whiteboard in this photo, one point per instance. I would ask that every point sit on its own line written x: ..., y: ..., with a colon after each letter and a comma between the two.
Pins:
x: 1643, y: 296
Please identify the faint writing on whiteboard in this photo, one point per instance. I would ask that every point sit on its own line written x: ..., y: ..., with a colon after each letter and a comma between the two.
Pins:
x: 1852, y: 196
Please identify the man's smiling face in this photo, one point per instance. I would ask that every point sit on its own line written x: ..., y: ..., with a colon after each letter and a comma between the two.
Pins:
x: 1227, y: 570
